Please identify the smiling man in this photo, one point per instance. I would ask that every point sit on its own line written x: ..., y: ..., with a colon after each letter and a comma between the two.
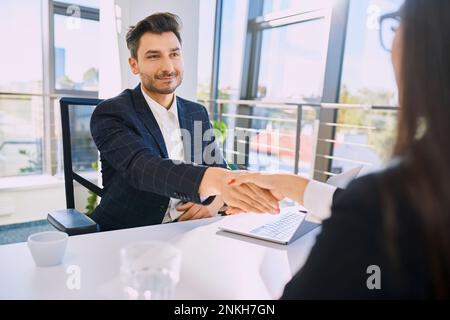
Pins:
x: 154, y: 158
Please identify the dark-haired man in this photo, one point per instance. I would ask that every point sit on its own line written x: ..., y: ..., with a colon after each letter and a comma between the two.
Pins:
x: 160, y: 162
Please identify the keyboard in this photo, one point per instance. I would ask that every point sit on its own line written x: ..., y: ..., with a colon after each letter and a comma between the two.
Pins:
x: 284, y: 227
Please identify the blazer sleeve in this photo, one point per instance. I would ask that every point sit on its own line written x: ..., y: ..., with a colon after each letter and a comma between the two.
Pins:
x: 120, y: 144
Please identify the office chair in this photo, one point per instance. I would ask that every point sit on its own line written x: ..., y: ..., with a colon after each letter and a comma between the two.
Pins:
x: 70, y: 220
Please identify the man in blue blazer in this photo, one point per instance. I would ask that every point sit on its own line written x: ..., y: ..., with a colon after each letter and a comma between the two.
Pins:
x: 139, y: 176
x: 155, y: 147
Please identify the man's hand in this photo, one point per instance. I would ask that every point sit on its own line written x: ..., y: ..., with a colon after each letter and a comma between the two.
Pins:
x: 279, y: 185
x: 250, y: 198
x: 193, y: 211
x: 247, y: 197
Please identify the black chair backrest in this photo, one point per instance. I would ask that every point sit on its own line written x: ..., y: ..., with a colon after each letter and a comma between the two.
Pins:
x: 69, y: 174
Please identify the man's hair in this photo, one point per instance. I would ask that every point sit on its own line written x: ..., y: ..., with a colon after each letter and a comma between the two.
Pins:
x: 156, y: 23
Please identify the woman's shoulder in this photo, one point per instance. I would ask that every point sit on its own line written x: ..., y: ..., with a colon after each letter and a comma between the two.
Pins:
x: 369, y: 189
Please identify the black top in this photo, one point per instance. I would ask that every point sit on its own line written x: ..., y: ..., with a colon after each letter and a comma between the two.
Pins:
x: 354, y: 238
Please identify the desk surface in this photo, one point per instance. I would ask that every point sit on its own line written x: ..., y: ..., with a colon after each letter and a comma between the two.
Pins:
x: 215, y: 264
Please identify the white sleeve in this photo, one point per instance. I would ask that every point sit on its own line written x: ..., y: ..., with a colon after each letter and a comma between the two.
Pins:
x: 318, y: 198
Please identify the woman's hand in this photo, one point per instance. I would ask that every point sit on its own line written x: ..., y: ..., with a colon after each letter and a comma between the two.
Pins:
x: 280, y: 185
x: 247, y: 197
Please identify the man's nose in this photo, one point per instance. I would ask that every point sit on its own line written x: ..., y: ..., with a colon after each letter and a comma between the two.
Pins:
x: 167, y: 65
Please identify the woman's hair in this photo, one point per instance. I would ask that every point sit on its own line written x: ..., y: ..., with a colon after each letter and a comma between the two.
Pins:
x: 423, y: 137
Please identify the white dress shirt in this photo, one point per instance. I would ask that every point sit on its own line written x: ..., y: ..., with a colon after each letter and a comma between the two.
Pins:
x: 318, y: 198
x: 169, y: 125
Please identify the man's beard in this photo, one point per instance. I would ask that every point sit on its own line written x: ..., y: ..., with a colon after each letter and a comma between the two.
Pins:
x: 149, y: 83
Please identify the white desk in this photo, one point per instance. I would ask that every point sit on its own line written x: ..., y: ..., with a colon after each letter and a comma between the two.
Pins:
x: 215, y: 265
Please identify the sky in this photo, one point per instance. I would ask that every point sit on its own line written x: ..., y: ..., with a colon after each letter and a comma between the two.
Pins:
x: 21, y: 53
x: 21, y: 59
x: 366, y: 63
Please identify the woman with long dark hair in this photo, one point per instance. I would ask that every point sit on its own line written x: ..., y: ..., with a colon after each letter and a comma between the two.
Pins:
x: 388, y: 235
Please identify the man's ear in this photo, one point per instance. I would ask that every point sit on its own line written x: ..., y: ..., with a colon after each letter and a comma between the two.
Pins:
x: 133, y: 65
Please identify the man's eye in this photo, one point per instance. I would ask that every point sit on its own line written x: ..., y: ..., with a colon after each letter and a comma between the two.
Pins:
x: 152, y: 57
x: 175, y: 54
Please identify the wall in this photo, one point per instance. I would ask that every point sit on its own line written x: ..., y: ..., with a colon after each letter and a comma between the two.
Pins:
x: 32, y: 198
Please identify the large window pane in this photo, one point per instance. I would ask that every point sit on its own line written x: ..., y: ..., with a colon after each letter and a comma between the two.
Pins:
x: 21, y: 54
x: 206, y: 46
x: 293, y: 62
x: 361, y: 136
x: 234, y: 26
x: 21, y: 133
x: 76, y: 53
x: 367, y: 75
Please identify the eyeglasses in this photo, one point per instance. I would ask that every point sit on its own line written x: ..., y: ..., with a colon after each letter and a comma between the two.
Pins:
x: 389, y: 24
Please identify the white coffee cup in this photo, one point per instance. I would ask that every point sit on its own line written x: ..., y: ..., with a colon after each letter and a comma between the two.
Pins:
x: 48, y: 248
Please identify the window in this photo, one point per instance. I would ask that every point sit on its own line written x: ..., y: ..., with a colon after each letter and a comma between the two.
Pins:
x: 21, y: 135
x: 291, y: 66
x: 76, y: 71
x: 21, y: 114
x: 269, y: 53
x: 29, y: 93
x: 84, y: 151
x: 367, y: 75
x: 233, y: 31
x: 21, y: 54
x: 293, y: 62
x: 76, y: 47
x: 277, y: 50
x: 367, y: 78
x: 205, y: 52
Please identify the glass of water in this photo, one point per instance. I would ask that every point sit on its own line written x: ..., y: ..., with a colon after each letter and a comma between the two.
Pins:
x: 150, y: 270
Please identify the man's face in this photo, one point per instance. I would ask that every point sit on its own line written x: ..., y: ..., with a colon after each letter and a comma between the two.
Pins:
x: 159, y: 62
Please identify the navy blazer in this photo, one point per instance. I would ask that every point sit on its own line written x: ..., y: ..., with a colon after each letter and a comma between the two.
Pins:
x: 138, y: 177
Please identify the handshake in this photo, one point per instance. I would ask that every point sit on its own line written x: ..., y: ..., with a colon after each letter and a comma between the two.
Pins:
x: 244, y: 191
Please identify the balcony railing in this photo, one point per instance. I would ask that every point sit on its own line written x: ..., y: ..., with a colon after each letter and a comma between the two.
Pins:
x: 287, y: 135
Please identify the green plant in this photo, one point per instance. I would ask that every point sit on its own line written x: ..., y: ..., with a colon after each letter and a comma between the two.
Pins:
x: 221, y: 134
x: 92, y: 198
x: 221, y: 130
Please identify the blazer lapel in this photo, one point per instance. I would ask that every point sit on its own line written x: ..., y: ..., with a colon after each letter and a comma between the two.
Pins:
x: 186, y: 124
x: 149, y: 119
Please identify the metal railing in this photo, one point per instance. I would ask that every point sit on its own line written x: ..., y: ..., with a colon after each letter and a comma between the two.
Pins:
x: 48, y: 147
x: 296, y: 113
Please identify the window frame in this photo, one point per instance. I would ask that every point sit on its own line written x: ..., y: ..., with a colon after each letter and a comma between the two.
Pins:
x: 257, y: 22
x: 49, y: 94
x: 87, y: 13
